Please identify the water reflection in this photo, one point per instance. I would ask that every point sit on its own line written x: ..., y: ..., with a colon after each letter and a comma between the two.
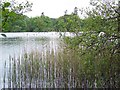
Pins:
x: 16, y: 46
x: 10, y: 41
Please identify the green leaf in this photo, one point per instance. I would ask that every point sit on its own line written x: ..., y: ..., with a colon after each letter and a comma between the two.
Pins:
x: 12, y: 13
x: 6, y: 4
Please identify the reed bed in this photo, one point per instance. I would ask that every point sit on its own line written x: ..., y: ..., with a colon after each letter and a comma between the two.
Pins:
x: 63, y: 69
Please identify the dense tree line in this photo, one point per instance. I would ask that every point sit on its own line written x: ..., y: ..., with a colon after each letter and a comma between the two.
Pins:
x: 15, y: 21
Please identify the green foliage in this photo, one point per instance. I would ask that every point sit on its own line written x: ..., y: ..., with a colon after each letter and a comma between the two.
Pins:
x: 21, y: 23
x: 6, y: 4
x: 43, y: 23
x: 99, y: 53
x: 10, y: 11
x: 16, y: 23
x: 97, y: 22
x: 68, y: 23
x: 39, y: 24
x: 93, y: 24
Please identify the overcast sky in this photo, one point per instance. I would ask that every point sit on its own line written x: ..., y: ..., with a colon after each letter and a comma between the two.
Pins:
x: 55, y: 8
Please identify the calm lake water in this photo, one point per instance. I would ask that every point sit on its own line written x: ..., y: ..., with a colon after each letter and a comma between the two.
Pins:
x: 15, y: 44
